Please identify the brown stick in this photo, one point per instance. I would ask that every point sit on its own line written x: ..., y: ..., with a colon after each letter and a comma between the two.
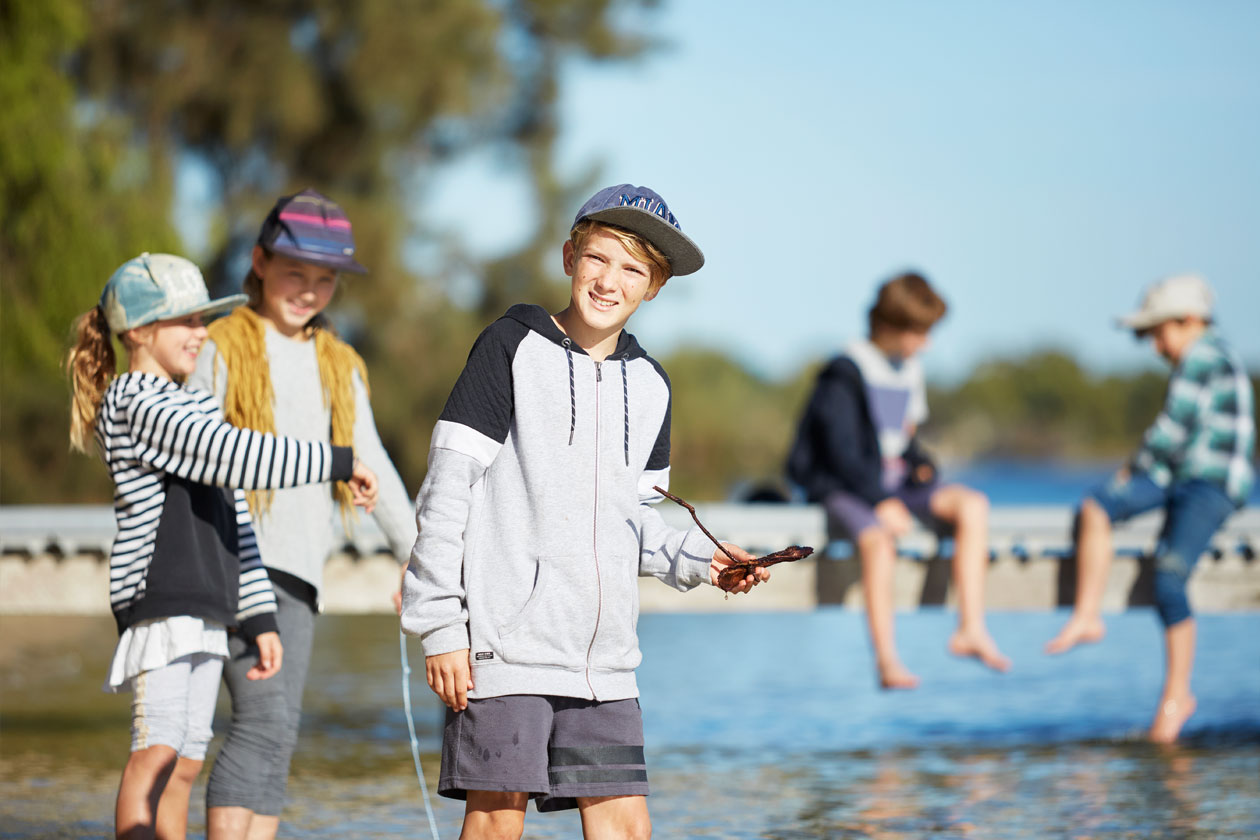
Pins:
x: 689, y: 507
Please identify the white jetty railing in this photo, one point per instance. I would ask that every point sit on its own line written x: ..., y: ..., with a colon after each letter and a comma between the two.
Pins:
x: 52, y: 561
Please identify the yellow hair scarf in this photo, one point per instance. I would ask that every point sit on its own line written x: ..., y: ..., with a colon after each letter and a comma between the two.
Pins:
x: 241, y: 341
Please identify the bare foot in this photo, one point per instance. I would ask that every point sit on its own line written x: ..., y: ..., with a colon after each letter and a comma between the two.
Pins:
x: 1170, y: 717
x: 1077, y: 631
x: 981, y: 646
x: 896, y: 676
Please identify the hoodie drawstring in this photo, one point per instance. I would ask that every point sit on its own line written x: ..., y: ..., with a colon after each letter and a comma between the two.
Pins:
x: 625, y: 401
x: 568, y: 351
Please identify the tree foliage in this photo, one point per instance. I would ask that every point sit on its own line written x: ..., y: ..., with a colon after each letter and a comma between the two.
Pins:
x: 77, y: 199
x: 363, y: 101
x: 366, y: 102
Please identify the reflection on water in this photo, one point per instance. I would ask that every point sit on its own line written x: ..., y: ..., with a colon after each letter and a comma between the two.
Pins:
x: 775, y: 731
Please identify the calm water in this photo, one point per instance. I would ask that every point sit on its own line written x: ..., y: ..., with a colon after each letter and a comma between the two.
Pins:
x: 758, y: 726
x: 1015, y: 482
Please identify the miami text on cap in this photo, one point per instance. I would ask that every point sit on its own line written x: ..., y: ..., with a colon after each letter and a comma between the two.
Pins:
x: 642, y: 211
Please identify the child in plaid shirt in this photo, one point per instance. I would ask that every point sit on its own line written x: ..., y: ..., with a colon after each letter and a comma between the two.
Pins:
x: 1195, y: 461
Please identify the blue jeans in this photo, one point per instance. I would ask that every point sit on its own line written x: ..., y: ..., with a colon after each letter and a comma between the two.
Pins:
x: 1193, y: 511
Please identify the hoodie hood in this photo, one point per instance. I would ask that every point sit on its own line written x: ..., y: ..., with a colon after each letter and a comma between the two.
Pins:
x: 540, y: 321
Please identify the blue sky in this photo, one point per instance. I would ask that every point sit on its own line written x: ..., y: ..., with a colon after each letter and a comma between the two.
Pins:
x: 1039, y: 162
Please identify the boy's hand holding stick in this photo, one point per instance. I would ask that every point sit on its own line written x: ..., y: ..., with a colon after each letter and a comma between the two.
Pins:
x: 745, y: 572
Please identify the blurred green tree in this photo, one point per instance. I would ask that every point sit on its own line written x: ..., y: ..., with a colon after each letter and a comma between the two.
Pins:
x: 366, y: 102
x: 77, y: 197
x: 363, y: 101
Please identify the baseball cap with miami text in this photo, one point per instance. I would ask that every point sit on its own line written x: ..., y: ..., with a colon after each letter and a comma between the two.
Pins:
x: 642, y: 211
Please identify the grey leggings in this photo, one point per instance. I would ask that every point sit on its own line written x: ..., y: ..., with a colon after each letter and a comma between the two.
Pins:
x: 252, y: 767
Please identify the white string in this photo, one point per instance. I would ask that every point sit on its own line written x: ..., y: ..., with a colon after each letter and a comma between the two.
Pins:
x: 411, y: 729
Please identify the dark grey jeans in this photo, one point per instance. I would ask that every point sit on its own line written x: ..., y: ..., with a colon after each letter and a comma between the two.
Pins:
x: 252, y: 767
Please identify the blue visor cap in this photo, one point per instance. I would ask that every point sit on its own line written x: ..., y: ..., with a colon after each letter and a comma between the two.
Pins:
x: 157, y: 287
x: 642, y: 211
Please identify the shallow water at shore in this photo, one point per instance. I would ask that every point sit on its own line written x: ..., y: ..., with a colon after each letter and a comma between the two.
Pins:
x: 758, y: 726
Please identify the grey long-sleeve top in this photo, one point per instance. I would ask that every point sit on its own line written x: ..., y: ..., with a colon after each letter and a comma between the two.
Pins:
x: 296, y: 534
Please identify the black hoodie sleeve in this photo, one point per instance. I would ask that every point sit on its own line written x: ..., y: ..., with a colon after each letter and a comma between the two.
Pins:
x: 840, y: 420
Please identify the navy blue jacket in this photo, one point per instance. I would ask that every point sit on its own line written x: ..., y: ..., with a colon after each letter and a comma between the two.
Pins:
x: 837, y: 446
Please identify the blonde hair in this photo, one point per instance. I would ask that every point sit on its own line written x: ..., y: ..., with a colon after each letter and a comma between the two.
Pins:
x: 907, y: 302
x: 638, y: 247
x: 240, y: 340
x: 90, y: 364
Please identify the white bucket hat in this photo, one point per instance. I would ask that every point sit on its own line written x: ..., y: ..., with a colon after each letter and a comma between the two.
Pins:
x: 1179, y: 296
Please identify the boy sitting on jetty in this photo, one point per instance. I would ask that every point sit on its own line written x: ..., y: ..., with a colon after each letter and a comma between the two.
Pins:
x: 856, y: 453
x: 536, y: 519
x: 1195, y: 462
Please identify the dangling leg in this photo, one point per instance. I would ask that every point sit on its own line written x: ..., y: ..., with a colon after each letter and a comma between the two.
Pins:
x: 968, y: 511
x: 878, y: 552
x: 1176, y: 703
x: 1196, y: 510
x: 1093, y: 562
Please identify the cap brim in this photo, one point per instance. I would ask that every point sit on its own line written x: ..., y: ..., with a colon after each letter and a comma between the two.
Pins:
x: 214, y: 307
x: 1140, y: 321
x: 684, y: 255
x: 335, y: 262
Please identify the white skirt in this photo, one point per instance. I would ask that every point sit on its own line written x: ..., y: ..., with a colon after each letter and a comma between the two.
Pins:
x: 159, y: 642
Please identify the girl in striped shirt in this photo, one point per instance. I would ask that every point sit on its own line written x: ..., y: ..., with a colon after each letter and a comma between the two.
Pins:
x: 184, y: 566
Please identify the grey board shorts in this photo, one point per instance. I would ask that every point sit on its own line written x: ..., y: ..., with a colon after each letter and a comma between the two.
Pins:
x: 553, y: 748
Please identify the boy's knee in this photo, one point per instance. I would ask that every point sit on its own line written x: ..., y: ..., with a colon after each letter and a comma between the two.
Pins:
x: 1171, y: 574
x: 1172, y: 564
x: 973, y: 505
x: 876, y: 544
x: 495, y: 825
x: 1093, y: 515
x: 640, y: 829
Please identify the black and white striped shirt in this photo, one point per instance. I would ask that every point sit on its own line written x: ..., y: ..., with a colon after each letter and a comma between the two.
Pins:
x: 151, y: 432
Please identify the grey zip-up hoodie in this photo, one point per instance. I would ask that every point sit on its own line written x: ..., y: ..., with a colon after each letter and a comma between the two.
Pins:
x: 536, y: 514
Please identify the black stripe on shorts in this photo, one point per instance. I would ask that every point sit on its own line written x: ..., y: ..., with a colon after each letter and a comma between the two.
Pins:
x: 571, y: 756
x: 585, y: 765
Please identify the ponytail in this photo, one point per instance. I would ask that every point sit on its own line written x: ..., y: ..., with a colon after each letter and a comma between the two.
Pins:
x: 90, y: 365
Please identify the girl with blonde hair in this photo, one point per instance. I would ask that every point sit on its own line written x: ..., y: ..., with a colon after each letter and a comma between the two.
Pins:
x: 184, y: 566
x: 276, y: 365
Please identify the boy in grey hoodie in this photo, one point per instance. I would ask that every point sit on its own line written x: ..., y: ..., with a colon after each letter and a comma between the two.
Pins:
x: 536, y: 517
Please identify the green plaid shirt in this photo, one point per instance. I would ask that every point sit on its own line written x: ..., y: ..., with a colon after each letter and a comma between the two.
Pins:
x: 1206, y: 429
